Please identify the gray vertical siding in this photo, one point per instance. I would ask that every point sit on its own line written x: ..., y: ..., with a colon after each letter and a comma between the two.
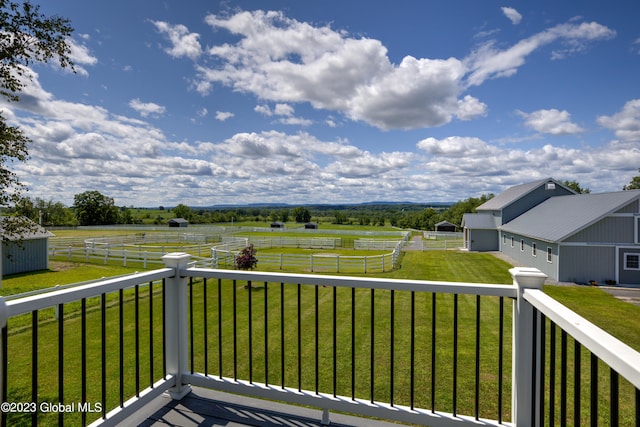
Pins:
x: 612, y: 229
x: 483, y: 240
x: 534, y: 198
x: 526, y: 258
x: 627, y: 277
x: 31, y: 255
x: 581, y: 264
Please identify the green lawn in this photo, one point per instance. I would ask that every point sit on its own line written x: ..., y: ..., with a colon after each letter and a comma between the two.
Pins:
x: 430, y: 265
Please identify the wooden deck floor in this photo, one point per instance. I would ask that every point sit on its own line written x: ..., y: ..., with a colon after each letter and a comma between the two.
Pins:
x: 203, y: 407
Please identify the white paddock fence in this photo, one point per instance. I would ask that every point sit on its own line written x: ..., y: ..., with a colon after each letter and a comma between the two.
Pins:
x: 222, y: 255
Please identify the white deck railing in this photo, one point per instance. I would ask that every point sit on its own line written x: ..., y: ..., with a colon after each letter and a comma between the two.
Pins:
x: 177, y: 327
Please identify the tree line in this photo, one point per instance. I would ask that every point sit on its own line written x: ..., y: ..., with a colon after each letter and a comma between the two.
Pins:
x: 94, y: 208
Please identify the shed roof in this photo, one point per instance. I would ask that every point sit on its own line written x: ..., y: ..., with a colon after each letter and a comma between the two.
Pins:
x: 480, y: 221
x: 560, y: 217
x: 445, y: 223
x: 512, y: 194
x: 36, y: 232
x: 178, y: 220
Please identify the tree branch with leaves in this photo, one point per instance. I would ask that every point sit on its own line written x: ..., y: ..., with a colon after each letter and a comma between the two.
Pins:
x: 26, y: 37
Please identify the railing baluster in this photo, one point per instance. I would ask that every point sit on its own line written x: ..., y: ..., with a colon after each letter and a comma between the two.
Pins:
x: 282, y: 364
x: 335, y: 344
x: 576, y: 384
x: 594, y: 390
x: 412, y: 352
x: 613, y: 394
x: 83, y: 374
x: 299, y: 314
x: 500, y: 357
x: 433, y: 352
x: 250, y: 329
x: 235, y: 332
x: 266, y: 334
x: 103, y: 333
x: 638, y: 407
x: 137, y: 337
x: 151, y: 355
x: 563, y: 379
x: 60, y: 363
x: 353, y: 343
x: 542, y: 352
x: 5, y: 376
x: 121, y: 341
x: 164, y: 329
x: 392, y: 347
x: 477, y: 384
x: 191, y: 340
x: 455, y: 355
x: 534, y: 372
x: 552, y: 374
x: 206, y: 326
x: 34, y: 362
x: 372, y: 360
x: 220, y: 328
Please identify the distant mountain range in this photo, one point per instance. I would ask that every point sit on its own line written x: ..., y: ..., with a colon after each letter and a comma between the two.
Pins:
x: 321, y: 205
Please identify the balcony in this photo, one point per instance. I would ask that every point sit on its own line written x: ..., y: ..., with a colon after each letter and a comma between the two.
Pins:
x: 145, y: 346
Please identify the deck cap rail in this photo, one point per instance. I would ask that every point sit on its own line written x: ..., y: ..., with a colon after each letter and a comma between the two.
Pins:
x: 618, y: 355
x: 38, y: 302
x: 503, y: 290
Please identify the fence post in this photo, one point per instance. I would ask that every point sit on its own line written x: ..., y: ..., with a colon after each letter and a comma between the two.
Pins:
x: 176, y: 321
x: 523, y: 357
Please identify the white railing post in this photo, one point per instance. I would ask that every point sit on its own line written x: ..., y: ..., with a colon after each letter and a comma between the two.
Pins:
x: 523, y: 357
x: 176, y: 315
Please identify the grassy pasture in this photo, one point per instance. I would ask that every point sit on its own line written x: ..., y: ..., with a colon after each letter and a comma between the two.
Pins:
x: 591, y: 303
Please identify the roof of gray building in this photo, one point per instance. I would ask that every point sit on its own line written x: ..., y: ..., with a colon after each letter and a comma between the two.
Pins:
x: 560, y: 217
x: 35, y: 231
x: 512, y: 194
x: 480, y: 221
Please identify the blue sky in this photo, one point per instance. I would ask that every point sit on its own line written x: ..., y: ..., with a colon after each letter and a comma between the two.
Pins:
x: 208, y: 103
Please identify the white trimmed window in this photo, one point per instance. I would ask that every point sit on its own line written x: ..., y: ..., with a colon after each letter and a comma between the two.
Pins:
x: 512, y: 241
x: 504, y: 239
x: 534, y: 249
x: 637, y: 228
x: 521, y: 245
x: 549, y: 253
x: 632, y: 261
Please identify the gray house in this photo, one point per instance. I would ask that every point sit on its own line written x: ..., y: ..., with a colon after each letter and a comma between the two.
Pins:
x: 30, y: 254
x: 575, y: 238
x: 481, y: 228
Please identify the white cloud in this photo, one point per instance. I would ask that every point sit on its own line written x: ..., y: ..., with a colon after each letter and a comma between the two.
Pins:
x: 470, y: 108
x: 457, y: 147
x: 79, y: 146
x: 223, y: 115
x: 147, y: 109
x: 80, y: 55
x: 625, y: 123
x: 283, y: 110
x: 554, y: 122
x: 283, y: 60
x: 513, y: 15
x: 487, y: 62
x: 183, y: 43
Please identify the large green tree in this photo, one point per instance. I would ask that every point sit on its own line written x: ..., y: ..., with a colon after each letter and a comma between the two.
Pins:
x: 634, y: 184
x: 94, y: 208
x: 575, y: 186
x: 26, y: 37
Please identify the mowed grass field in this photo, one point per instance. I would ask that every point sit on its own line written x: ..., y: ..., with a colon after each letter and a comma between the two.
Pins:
x: 592, y: 303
